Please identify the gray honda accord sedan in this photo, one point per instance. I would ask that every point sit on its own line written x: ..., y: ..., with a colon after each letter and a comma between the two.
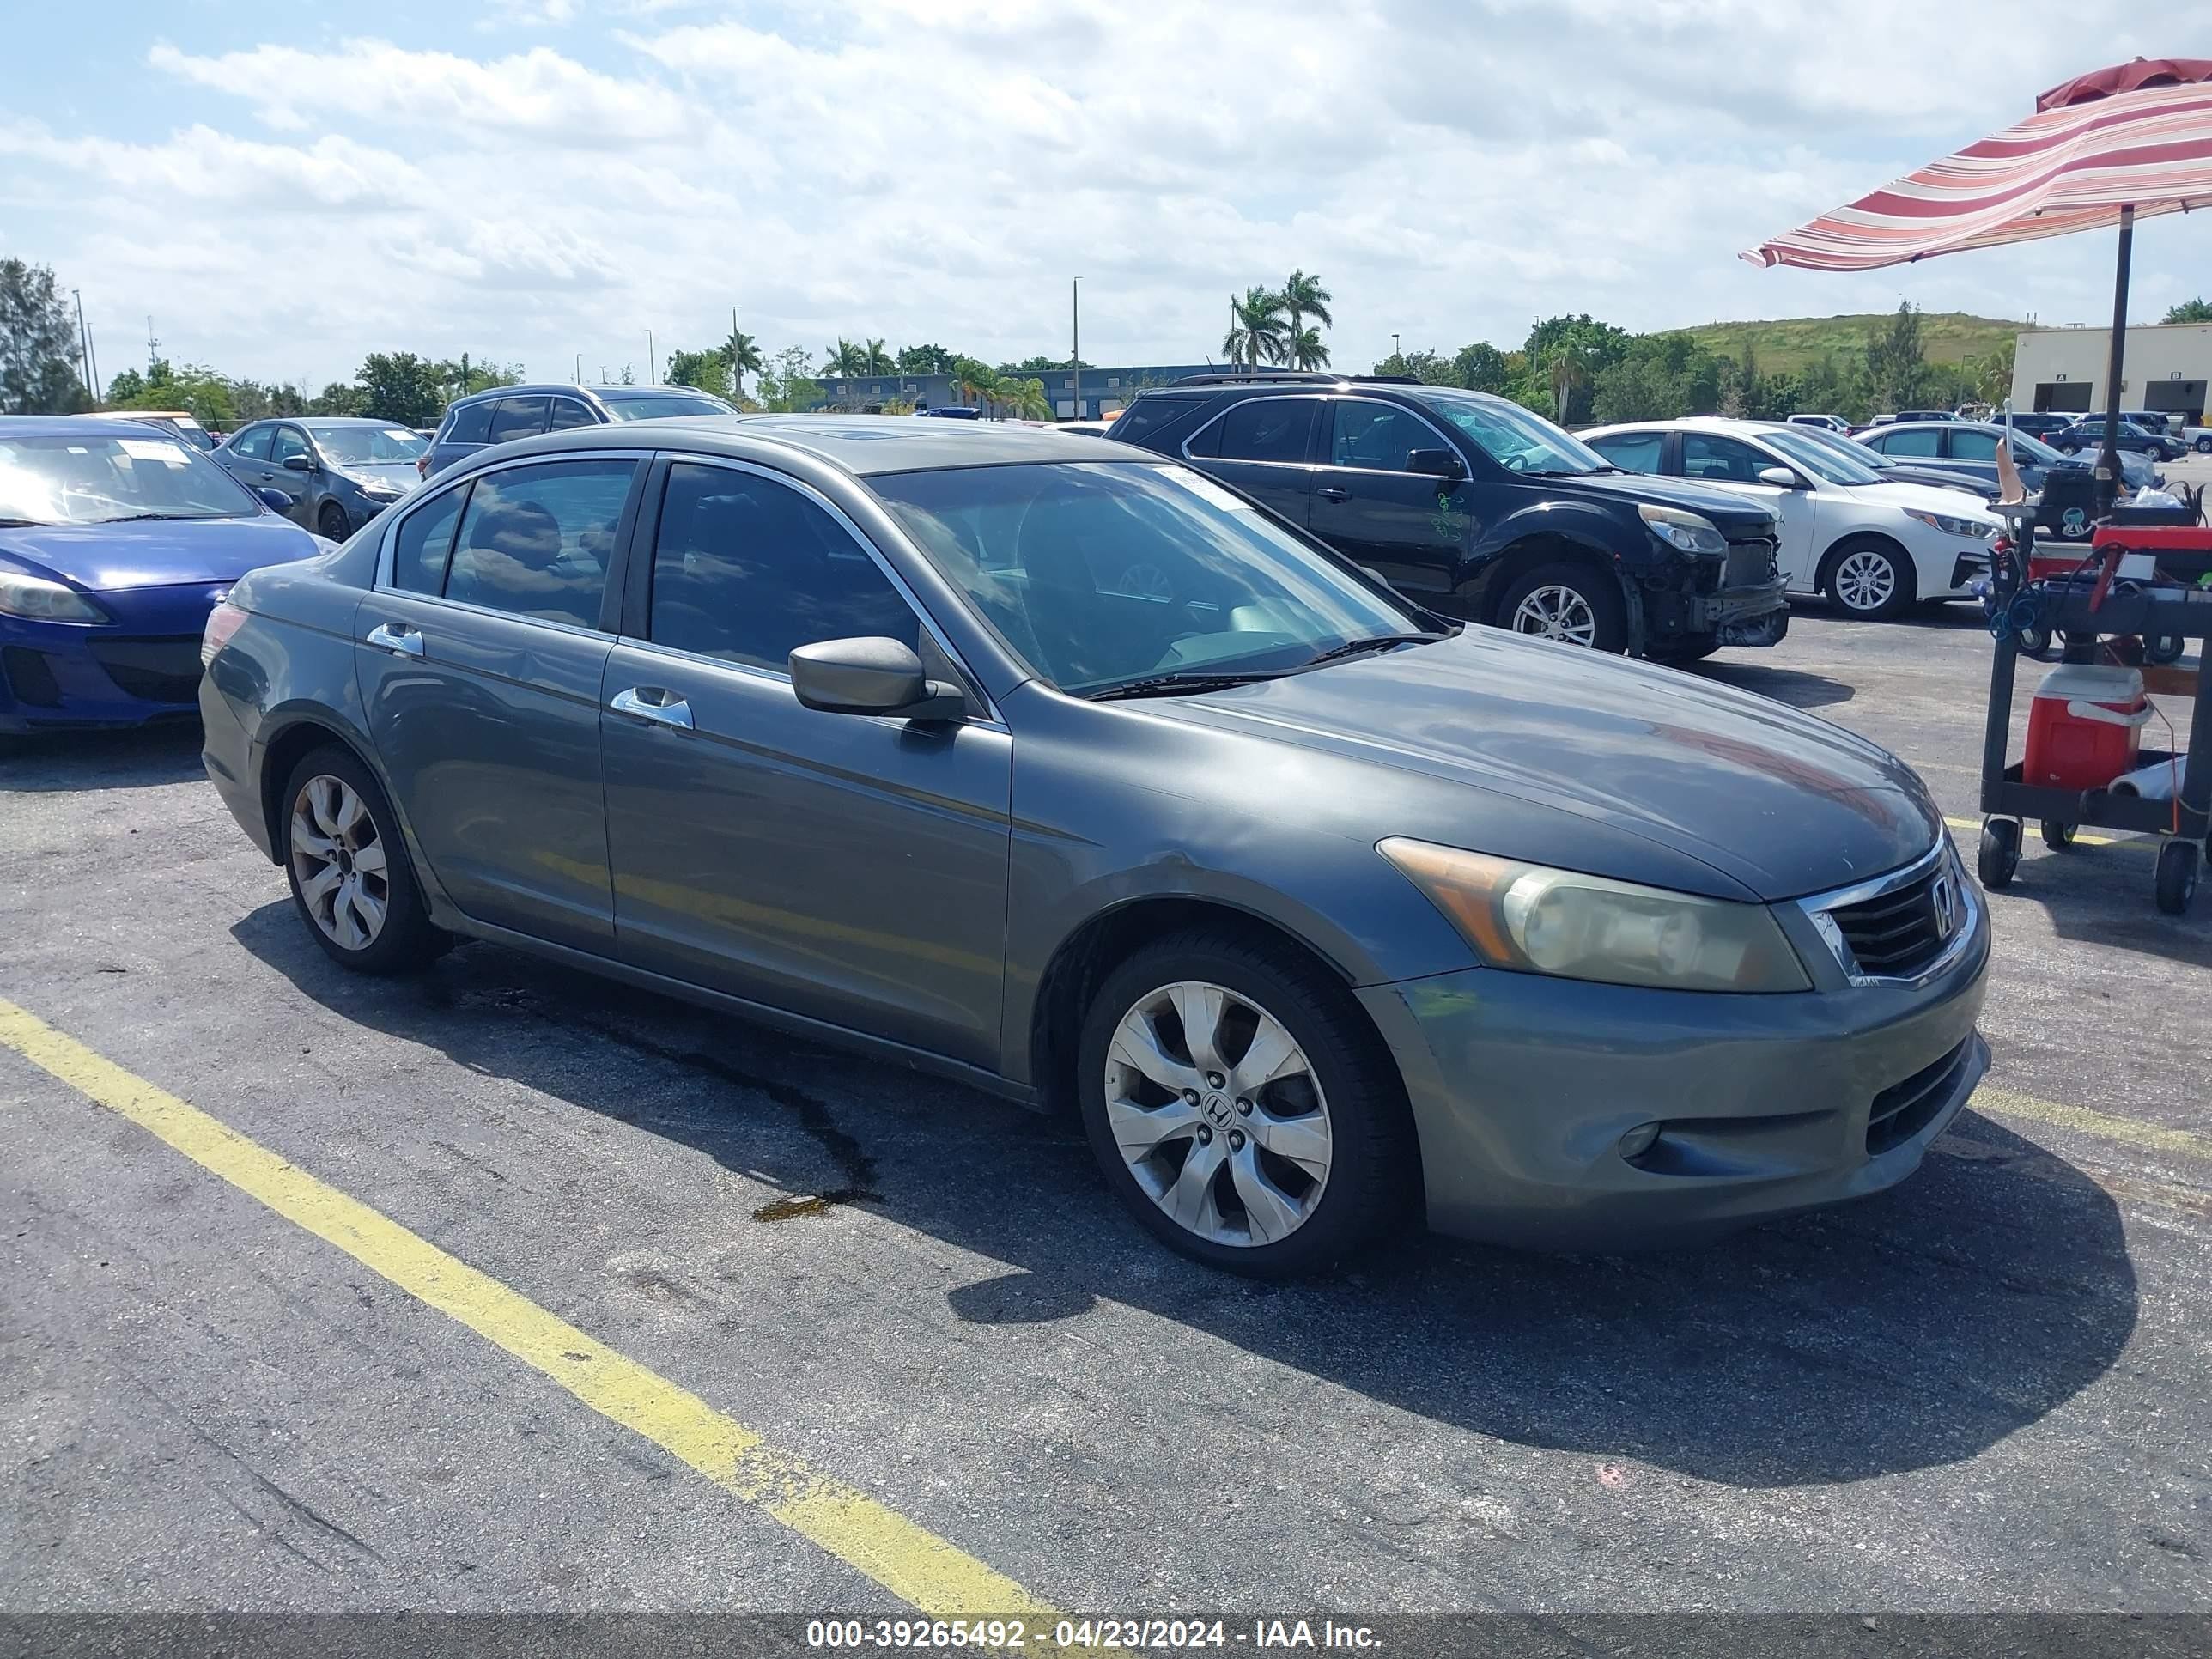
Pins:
x: 1042, y: 762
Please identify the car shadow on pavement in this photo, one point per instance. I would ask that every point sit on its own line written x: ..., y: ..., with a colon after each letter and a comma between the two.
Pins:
x: 1918, y: 1328
x: 142, y: 758
x: 2104, y: 896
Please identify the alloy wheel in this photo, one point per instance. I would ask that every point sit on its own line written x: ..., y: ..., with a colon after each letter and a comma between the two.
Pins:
x: 337, y: 856
x: 1218, y: 1114
x: 1865, y: 580
x: 1556, y: 613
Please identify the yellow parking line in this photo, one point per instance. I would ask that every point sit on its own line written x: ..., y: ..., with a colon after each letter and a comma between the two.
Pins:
x: 2082, y: 837
x: 2151, y: 1137
x: 908, y: 1560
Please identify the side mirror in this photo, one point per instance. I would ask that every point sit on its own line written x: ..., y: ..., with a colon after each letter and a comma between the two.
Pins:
x: 872, y: 676
x: 298, y: 464
x: 1781, y: 478
x: 275, y: 500
x: 1436, y: 463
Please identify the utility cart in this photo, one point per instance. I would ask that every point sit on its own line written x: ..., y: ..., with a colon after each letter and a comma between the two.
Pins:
x: 2100, y: 612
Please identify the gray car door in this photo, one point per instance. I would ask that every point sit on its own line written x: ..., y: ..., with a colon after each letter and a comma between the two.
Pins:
x: 848, y: 868
x: 480, y: 655
x: 246, y: 457
x: 297, y: 482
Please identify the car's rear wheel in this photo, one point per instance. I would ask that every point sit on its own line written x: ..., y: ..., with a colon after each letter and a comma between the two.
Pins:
x: 1239, y: 1103
x: 348, y: 865
x: 2204, y: 446
x: 1573, y: 604
x: 1869, y: 577
x: 332, y: 521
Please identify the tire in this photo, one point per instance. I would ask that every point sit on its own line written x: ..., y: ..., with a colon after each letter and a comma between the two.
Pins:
x: 1575, y: 604
x: 2067, y: 448
x: 2204, y: 446
x: 1854, y: 571
x: 2177, y: 877
x: 331, y: 522
x: 1335, y: 1098
x: 2167, y: 649
x: 1999, y: 854
x: 2058, y: 837
x: 356, y: 936
x: 2037, y: 642
x: 1688, y: 648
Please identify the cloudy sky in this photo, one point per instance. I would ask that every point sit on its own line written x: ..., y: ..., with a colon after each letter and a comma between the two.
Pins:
x: 285, y: 186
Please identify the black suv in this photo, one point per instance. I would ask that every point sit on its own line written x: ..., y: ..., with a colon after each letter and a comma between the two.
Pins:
x: 1479, y: 509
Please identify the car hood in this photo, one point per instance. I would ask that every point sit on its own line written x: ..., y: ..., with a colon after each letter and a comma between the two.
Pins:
x: 158, y: 552
x: 1925, y: 498
x: 1734, y: 514
x: 1729, y: 793
x: 398, y: 475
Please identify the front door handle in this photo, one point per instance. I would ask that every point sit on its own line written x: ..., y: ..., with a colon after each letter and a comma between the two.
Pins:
x: 398, y: 638
x: 650, y: 703
x: 1334, y: 493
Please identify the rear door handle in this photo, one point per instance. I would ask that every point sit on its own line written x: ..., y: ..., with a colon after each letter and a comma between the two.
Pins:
x: 1334, y: 493
x: 396, y: 638
x: 651, y: 702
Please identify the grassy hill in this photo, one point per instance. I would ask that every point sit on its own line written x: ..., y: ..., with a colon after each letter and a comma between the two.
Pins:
x: 1790, y: 344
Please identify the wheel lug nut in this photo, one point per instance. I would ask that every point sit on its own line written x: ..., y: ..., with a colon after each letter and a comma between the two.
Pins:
x: 1190, y: 1096
x: 1213, y: 1079
x: 1236, y: 1140
x: 1245, y: 1107
x: 1205, y: 1135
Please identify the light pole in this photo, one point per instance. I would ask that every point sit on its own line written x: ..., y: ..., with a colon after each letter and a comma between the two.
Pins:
x: 1075, y: 357
x: 1394, y: 352
x: 84, y: 341
x: 652, y: 363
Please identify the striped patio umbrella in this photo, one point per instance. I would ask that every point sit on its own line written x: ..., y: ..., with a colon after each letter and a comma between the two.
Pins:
x: 2104, y: 149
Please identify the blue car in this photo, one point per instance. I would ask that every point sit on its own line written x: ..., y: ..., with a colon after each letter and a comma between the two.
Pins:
x: 116, y: 540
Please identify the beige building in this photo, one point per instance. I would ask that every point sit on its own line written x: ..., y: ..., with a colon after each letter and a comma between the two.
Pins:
x: 2168, y: 369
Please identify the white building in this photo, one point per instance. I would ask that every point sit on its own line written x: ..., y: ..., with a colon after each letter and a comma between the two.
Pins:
x: 2168, y: 369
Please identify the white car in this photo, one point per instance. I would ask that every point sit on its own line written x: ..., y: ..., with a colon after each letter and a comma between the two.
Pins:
x: 2198, y: 438
x: 1874, y: 548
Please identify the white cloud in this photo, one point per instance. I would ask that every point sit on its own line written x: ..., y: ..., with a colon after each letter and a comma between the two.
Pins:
x: 937, y: 169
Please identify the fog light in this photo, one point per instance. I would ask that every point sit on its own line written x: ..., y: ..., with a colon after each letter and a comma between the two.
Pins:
x: 1639, y: 1141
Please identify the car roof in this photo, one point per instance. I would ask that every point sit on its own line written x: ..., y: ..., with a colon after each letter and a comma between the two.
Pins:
x: 576, y: 388
x: 62, y: 426
x: 861, y: 446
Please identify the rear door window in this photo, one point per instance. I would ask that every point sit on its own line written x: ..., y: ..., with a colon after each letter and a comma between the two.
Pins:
x: 1720, y: 460
x: 425, y: 543
x: 1924, y: 441
x: 1267, y: 430
x: 1631, y: 451
x: 569, y: 413
x: 537, y: 541
x: 1973, y: 447
x: 517, y: 417
x: 1149, y: 415
x: 472, y: 423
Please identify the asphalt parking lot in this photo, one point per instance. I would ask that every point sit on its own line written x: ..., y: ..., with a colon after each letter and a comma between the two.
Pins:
x: 1987, y: 1389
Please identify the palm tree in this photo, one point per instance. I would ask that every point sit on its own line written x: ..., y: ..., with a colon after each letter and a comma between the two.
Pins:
x: 1567, y: 372
x: 978, y: 385
x: 1305, y: 349
x: 1304, y: 296
x: 846, y: 359
x: 743, y: 352
x: 1256, y: 328
x: 1025, y: 399
x: 877, y: 360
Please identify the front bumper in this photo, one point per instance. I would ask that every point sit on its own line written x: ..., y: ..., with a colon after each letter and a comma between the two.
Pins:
x: 142, y: 666
x: 1522, y: 1087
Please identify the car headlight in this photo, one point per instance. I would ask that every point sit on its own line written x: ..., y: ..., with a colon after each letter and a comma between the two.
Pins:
x: 382, y: 489
x: 1687, y: 531
x: 40, y: 600
x: 1539, y: 921
x: 1973, y: 529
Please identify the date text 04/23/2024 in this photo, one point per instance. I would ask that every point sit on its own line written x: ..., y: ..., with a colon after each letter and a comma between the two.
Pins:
x: 1086, y: 1634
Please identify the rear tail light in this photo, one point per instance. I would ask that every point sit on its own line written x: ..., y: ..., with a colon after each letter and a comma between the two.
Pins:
x: 222, y: 622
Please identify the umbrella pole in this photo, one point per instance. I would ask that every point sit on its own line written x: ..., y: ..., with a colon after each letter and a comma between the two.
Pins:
x: 2108, y: 462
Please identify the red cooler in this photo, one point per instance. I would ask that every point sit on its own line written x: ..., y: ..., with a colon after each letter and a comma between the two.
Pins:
x: 2085, y: 727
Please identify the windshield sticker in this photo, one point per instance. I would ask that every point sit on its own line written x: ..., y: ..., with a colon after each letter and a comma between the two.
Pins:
x: 1206, y: 490
x: 394, y: 432
x: 152, y: 449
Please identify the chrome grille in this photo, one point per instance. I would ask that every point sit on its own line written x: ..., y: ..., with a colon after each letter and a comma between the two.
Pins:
x: 1901, y: 926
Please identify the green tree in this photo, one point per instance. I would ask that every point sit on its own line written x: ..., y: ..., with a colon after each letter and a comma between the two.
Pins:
x: 741, y: 355
x: 194, y: 387
x: 402, y: 388
x: 1255, y: 329
x: 341, y: 397
x: 459, y: 377
x: 1638, y: 388
x: 1302, y: 296
x: 125, y: 387
x: 2191, y: 311
x: 39, y: 366
x: 1897, y: 361
x: 1304, y: 349
x: 875, y: 360
x: 786, y: 382
x: 925, y: 360
x: 846, y: 359
x: 1479, y: 367
x: 1025, y: 399
x: 708, y: 370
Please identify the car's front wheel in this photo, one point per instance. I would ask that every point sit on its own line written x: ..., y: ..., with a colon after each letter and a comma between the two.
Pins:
x: 1238, y: 1101
x: 1869, y: 577
x: 332, y: 522
x: 2204, y: 446
x: 1573, y: 604
x: 351, y: 878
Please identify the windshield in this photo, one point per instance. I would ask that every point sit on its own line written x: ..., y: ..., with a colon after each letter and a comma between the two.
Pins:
x: 1100, y: 573
x: 90, y: 478
x: 654, y: 409
x: 367, y: 445
x: 1829, y: 461
x: 1517, y: 439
